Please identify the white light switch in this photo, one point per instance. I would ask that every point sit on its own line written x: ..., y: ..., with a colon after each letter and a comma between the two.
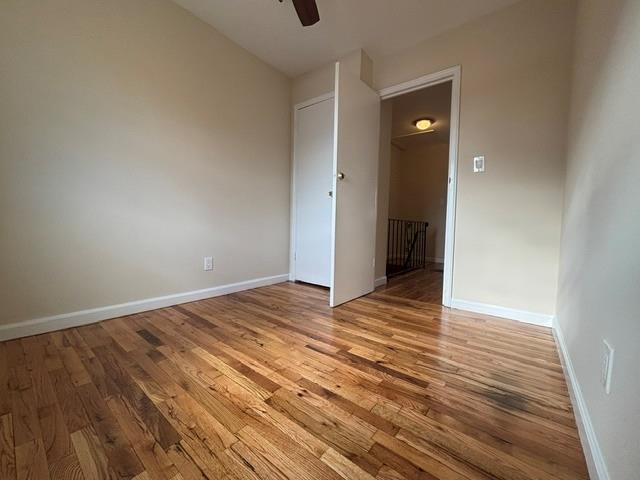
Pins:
x: 478, y: 164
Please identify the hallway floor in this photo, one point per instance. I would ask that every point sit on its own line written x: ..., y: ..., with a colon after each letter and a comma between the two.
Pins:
x: 423, y: 285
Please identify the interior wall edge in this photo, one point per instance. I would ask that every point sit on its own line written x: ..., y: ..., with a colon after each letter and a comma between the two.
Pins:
x: 592, y: 451
x: 380, y: 281
x: 86, y: 317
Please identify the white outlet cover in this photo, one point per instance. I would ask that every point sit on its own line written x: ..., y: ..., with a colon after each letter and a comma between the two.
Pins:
x: 478, y: 164
x: 208, y: 263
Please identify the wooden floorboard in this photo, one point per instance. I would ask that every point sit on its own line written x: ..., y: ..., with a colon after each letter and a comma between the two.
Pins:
x: 273, y: 384
x: 423, y: 284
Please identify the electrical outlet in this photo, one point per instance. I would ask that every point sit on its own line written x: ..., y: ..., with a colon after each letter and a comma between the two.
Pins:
x: 208, y: 263
x: 478, y: 164
x: 607, y: 366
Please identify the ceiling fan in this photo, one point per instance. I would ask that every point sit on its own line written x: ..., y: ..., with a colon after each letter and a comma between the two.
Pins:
x: 307, y: 11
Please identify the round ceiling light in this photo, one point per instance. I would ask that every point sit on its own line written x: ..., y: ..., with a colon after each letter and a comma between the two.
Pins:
x: 423, y: 123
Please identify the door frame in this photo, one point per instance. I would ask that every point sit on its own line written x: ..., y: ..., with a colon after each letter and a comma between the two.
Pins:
x: 452, y: 75
x: 292, y: 232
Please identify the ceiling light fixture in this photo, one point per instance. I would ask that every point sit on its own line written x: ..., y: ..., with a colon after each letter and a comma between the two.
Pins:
x: 423, y: 123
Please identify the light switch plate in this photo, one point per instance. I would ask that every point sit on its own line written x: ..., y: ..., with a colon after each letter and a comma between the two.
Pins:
x: 478, y: 164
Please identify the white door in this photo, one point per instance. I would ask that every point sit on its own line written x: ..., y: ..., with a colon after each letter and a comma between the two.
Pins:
x: 313, y: 151
x: 355, y: 161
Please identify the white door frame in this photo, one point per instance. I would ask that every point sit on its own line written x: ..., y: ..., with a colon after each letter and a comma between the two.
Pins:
x: 292, y: 232
x: 448, y: 75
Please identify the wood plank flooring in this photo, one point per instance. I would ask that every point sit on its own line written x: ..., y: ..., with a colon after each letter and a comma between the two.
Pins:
x: 273, y: 384
x: 424, y: 285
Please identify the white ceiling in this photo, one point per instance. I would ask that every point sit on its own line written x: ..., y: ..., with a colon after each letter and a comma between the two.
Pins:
x: 434, y: 103
x: 271, y: 30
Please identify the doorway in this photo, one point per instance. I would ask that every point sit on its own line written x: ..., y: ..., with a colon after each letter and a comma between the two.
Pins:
x: 422, y: 118
x: 335, y: 149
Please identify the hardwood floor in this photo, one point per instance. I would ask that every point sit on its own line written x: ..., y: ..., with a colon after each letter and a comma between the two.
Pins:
x: 424, y: 285
x: 273, y: 384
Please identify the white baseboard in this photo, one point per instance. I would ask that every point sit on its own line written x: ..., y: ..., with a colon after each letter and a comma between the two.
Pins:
x: 592, y: 452
x: 85, y: 317
x: 380, y: 281
x: 504, y: 312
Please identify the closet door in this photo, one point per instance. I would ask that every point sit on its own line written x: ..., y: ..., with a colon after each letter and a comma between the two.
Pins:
x: 313, y: 170
x: 356, y: 131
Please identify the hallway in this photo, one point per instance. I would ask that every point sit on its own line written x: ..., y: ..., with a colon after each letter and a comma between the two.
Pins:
x: 423, y: 285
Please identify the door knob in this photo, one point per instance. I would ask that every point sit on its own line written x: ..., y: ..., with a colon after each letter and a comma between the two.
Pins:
x: 340, y: 176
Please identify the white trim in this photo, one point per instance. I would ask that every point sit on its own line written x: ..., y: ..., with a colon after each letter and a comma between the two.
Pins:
x: 380, y: 281
x: 292, y: 231
x: 334, y: 185
x: 453, y: 75
x: 85, y: 317
x: 541, y: 319
x: 419, y: 83
x: 592, y: 452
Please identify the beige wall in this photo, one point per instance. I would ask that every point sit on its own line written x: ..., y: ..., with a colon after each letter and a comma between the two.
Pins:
x: 600, y: 261
x: 514, y: 102
x: 313, y: 84
x: 322, y: 79
x: 418, y: 190
x: 134, y: 140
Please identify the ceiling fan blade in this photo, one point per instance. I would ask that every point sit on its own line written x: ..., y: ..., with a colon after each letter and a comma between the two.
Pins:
x: 307, y: 11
